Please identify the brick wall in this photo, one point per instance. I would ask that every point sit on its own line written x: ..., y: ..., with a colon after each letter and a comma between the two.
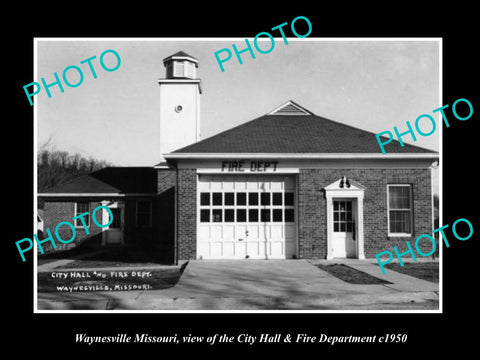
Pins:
x: 187, y: 214
x: 313, y: 218
x: 56, y: 212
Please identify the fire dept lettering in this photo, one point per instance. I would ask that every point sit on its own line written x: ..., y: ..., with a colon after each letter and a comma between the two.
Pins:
x: 250, y: 166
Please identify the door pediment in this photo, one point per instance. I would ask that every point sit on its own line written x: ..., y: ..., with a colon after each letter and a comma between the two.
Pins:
x: 344, y: 187
x: 345, y: 184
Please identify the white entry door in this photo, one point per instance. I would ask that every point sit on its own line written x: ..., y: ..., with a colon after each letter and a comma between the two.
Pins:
x: 246, y: 217
x: 344, y: 244
x: 113, y: 235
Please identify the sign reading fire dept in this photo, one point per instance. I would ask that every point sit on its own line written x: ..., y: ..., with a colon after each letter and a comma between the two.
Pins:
x: 249, y: 166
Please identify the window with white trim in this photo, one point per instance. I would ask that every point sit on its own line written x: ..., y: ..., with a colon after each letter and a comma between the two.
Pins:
x: 399, y: 209
x: 144, y: 213
x: 80, y: 208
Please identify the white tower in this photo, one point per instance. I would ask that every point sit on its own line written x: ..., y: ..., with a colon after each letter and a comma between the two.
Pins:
x: 179, y: 103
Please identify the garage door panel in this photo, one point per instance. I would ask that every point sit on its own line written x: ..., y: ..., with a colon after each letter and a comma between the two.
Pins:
x: 204, y: 233
x: 253, y: 232
x: 203, y: 249
x: 240, y: 250
x: 216, y: 250
x: 228, y: 185
x: 263, y: 232
x: 240, y: 184
x: 277, y: 231
x: 228, y: 249
x: 241, y: 231
x: 252, y: 248
x: 228, y: 232
x: 252, y: 184
x: 276, y: 185
x: 216, y: 232
x: 216, y: 186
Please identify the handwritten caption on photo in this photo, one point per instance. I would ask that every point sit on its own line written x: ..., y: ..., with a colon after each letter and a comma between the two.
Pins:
x: 88, y: 280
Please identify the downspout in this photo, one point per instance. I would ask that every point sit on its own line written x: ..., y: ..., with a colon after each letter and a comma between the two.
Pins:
x: 175, y: 247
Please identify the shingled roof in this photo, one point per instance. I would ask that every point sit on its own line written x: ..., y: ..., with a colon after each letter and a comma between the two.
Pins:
x: 286, y: 130
x: 111, y: 180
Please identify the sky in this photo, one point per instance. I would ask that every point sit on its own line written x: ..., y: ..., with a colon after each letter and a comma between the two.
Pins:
x: 370, y: 84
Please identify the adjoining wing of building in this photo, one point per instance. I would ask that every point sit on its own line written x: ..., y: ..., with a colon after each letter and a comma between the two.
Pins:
x: 288, y: 184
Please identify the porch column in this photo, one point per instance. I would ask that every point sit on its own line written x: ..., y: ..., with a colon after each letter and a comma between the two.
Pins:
x: 104, y: 221
x: 329, y: 227
x: 361, y: 253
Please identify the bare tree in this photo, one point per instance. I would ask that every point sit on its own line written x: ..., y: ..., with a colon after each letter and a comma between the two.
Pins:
x: 75, y: 161
x: 63, y: 157
x: 56, y: 167
x: 46, y: 144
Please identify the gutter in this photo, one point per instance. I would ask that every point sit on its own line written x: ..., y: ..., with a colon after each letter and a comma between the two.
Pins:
x: 300, y: 156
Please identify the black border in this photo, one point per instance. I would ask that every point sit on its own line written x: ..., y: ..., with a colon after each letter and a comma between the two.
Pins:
x: 427, y: 333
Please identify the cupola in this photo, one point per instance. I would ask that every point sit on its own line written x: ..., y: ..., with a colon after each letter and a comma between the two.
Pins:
x: 181, y: 66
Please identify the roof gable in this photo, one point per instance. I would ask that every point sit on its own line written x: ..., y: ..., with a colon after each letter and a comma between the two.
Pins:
x: 290, y: 108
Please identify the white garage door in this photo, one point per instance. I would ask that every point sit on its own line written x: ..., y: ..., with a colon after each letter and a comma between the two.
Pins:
x: 246, y: 217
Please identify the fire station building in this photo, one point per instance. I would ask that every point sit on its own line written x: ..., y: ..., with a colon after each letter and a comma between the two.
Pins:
x: 287, y: 184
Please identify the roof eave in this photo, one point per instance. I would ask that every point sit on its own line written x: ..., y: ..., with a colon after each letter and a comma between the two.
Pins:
x: 99, y: 195
x: 200, y: 156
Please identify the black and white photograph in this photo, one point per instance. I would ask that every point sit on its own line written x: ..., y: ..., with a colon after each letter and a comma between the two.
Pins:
x: 257, y: 186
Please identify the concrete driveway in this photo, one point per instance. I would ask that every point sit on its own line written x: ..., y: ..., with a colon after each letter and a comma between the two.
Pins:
x: 261, y: 285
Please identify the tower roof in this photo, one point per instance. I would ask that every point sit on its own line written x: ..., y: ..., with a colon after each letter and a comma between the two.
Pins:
x: 180, y: 55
